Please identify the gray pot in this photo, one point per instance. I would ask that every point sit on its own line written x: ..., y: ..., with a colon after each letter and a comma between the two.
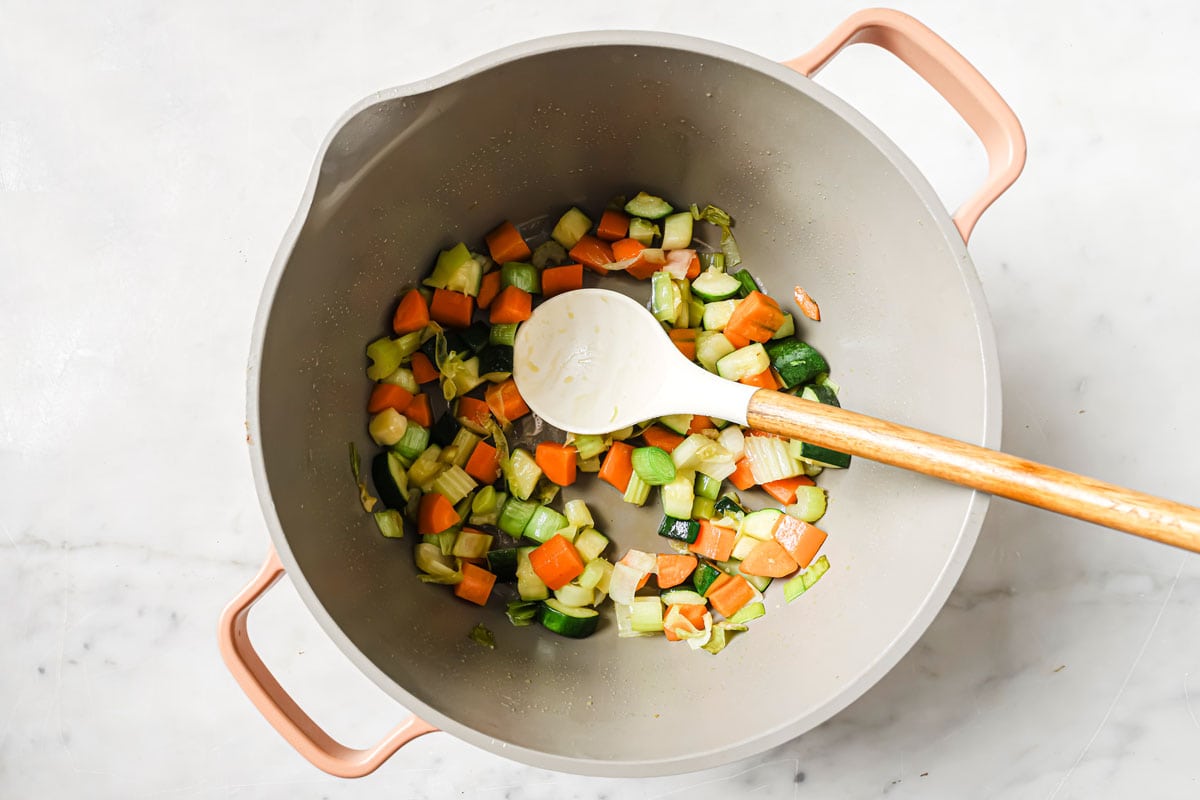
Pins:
x: 821, y: 197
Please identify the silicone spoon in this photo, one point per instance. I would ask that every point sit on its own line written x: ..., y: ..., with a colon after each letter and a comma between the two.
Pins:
x: 594, y: 361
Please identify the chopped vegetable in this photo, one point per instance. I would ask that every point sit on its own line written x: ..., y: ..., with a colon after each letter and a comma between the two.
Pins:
x: 412, y: 314
x: 556, y: 562
x: 481, y: 635
x: 505, y: 244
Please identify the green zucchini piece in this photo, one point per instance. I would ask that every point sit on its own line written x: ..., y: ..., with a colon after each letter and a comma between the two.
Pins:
x: 522, y: 473
x: 680, y: 423
x: 820, y: 393
x: 503, y: 564
x: 748, y: 283
x: 804, y: 581
x: 713, y: 285
x: 548, y: 254
x: 569, y: 621
x: 796, y: 362
x: 529, y: 585
x: 476, y: 336
x: 744, y: 362
x: 730, y: 506
x: 704, y: 576
x: 570, y: 228
x: 496, y: 359
x: 648, y: 206
x: 522, y: 612
x: 677, y: 231
x: 643, y: 230
x: 824, y: 456
x: 683, y: 530
x: 390, y: 479
x: 444, y: 429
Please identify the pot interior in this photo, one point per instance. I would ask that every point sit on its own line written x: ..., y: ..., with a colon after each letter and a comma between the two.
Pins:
x: 820, y: 199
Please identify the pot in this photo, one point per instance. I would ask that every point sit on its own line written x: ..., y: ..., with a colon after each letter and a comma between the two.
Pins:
x: 821, y: 197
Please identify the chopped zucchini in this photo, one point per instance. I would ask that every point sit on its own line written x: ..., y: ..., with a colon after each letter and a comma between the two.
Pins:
x: 796, y: 362
x: 570, y: 228
x: 714, y: 285
x: 677, y: 231
x: 648, y: 206
x: 522, y: 473
x: 744, y: 362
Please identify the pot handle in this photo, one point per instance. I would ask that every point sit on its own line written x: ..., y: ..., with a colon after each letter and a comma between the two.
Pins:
x: 953, y: 77
x: 277, y: 705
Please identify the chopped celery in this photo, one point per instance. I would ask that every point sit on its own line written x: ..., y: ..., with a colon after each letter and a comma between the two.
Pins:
x: 390, y: 523
x: 703, y: 508
x: 665, y: 300
x: 646, y: 614
x: 637, y: 491
x: 721, y: 633
x: 803, y: 581
x: 454, y: 483
x: 707, y: 487
x: 385, y: 357
x: 809, y: 505
x: 461, y: 448
x: 653, y: 465
x: 748, y: 612
x: 712, y: 261
x: 438, y: 567
x: 471, y: 544
x: 680, y: 423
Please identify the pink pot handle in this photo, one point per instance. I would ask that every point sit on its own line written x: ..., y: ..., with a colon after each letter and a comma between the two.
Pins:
x: 280, y: 709
x: 955, y: 79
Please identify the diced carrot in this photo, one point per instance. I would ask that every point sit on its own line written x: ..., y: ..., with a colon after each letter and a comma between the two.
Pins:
x: 617, y: 466
x: 613, y: 225
x: 513, y: 304
x: 674, y: 569
x: 556, y: 280
x: 692, y: 612
x: 713, y: 541
x: 593, y: 253
x: 419, y: 410
x: 435, y: 514
x: 625, y: 560
x: 505, y: 244
x: 800, y: 539
x: 784, y: 489
x: 658, y: 436
x: 556, y: 562
x: 453, y: 309
x: 808, y: 306
x: 412, y: 313
x: 484, y: 463
x: 423, y: 369
x: 557, y: 462
x: 625, y: 249
x: 388, y: 395
x: 735, y: 338
x: 742, y: 478
x: 489, y: 287
x: 768, y: 559
x: 474, y: 411
x: 728, y: 593
x: 476, y: 584
x: 505, y: 401
x: 685, y: 341
x: 700, y: 423
x: 763, y: 380
x: 756, y: 318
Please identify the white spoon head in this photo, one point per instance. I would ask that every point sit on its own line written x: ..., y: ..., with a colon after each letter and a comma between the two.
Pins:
x: 594, y: 361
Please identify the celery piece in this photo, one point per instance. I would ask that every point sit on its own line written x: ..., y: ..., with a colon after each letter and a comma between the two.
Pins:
x: 385, y: 358
x: 803, y: 581
x: 577, y: 514
x: 503, y: 333
x: 589, y: 445
x: 590, y: 543
x: 390, y: 523
x: 646, y: 614
x: 643, y: 230
x: 543, y: 524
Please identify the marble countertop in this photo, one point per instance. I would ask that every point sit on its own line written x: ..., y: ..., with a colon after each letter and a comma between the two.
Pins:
x: 151, y: 156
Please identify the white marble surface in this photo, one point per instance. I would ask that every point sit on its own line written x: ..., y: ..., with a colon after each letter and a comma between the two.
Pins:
x: 151, y: 155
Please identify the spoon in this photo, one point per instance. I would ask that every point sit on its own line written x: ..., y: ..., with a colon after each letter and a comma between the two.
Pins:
x: 593, y: 361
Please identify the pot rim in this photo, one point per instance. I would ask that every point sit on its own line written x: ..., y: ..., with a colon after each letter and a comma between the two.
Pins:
x: 930, y: 606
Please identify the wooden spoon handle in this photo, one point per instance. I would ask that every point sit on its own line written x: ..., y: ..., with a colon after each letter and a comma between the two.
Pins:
x: 977, y: 467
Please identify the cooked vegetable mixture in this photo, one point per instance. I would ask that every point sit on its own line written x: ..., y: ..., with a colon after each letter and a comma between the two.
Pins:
x: 490, y: 516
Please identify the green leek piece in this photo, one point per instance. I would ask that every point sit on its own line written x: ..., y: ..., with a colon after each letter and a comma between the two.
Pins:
x: 653, y: 465
x: 522, y: 612
x: 589, y: 445
x: 390, y: 523
x: 748, y: 283
x: 481, y: 635
x: 364, y: 497
x: 665, y: 299
x: 570, y: 228
x: 521, y: 275
x: 515, y: 515
x: 450, y: 263
x: 703, y: 508
x: 503, y: 333
x: 707, y: 487
x: 543, y: 524
x: 805, y: 580
x: 637, y: 491
x: 715, y: 216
